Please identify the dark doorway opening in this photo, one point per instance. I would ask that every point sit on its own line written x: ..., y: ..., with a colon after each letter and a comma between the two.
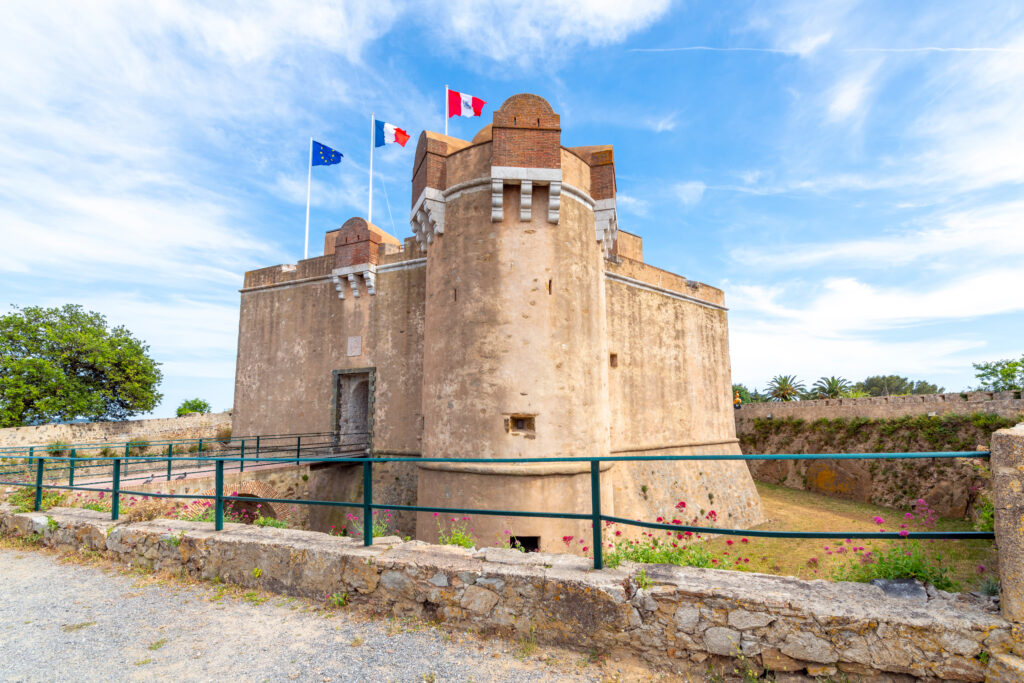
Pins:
x: 354, y: 406
x: 530, y: 544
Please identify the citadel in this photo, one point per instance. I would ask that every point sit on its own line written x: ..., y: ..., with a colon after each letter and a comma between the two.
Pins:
x: 518, y: 321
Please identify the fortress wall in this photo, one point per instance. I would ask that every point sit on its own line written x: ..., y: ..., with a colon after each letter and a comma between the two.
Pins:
x: 1002, y: 403
x: 290, y: 340
x: 194, y: 426
x: 670, y: 394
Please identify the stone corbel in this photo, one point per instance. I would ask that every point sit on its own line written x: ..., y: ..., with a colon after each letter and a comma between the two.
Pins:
x: 554, y: 201
x: 525, y: 200
x: 427, y: 216
x: 497, y: 199
x: 364, y: 272
x: 606, y: 224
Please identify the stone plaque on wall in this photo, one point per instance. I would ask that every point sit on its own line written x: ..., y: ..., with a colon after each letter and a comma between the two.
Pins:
x: 355, y: 346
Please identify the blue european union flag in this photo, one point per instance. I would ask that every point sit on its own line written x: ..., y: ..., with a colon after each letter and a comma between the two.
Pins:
x: 324, y: 155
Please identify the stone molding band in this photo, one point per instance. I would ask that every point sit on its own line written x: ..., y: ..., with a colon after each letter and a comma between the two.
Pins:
x: 285, y: 285
x: 526, y: 469
x: 615, y: 277
x: 692, y: 444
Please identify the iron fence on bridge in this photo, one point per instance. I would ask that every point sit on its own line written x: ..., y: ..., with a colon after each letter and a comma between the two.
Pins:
x: 297, y: 449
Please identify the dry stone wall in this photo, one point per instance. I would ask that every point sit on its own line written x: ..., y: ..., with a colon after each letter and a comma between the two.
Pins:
x: 687, y: 620
x: 1002, y: 403
x: 193, y: 426
x: 942, y: 422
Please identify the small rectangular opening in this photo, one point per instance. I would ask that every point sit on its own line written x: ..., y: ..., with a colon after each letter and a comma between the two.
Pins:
x: 522, y: 424
x: 549, y: 286
x: 530, y: 544
x: 613, y: 360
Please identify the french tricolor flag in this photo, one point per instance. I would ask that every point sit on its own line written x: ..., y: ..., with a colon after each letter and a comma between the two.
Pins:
x: 461, y: 104
x: 386, y: 133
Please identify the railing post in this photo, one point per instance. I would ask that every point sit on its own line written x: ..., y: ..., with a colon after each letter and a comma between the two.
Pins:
x: 298, y: 447
x: 367, y: 503
x: 595, y: 512
x: 200, y: 451
x: 219, y: 502
x: 241, y: 457
x: 31, y: 460
x: 71, y: 467
x: 115, y: 495
x: 257, y: 447
x: 39, y: 483
x: 170, y: 452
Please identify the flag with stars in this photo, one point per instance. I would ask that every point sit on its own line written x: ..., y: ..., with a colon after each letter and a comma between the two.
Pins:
x: 324, y: 155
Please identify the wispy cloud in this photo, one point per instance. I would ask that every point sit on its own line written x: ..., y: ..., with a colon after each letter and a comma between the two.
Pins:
x: 664, y: 123
x: 689, y: 193
x: 525, y: 33
x: 990, y: 232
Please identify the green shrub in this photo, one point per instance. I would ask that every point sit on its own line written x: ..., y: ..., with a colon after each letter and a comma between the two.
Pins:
x: 58, y: 448
x: 24, y: 499
x: 458, y: 533
x: 903, y: 560
x: 193, y: 405
x: 224, y: 435
x: 986, y: 514
x: 271, y: 522
x: 138, y: 447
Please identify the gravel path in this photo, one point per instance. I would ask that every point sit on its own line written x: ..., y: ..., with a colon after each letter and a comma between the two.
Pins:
x: 71, y: 622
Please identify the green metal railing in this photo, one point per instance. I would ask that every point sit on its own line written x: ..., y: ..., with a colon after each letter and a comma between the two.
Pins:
x: 310, y: 443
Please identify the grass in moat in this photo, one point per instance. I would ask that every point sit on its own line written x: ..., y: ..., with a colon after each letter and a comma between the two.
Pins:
x: 793, y: 510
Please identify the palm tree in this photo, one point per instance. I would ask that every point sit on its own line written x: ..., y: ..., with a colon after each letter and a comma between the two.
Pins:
x: 831, y: 387
x: 785, y: 388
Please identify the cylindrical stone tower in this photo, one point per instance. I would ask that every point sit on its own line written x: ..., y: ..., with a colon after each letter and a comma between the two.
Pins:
x: 515, y: 340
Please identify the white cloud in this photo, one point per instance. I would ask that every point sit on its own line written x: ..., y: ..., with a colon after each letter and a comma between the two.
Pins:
x: 806, y: 45
x: 663, y: 124
x: 630, y: 204
x: 990, y: 233
x: 538, y: 30
x: 690, y: 193
x: 848, y: 97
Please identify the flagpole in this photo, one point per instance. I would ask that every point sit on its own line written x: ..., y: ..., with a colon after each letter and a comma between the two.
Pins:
x: 369, y: 211
x: 446, y: 109
x: 309, y: 184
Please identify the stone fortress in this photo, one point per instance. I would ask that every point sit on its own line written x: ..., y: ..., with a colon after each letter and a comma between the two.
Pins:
x: 517, y: 322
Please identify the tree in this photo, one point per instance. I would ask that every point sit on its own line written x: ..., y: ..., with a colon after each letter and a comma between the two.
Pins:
x: 193, y: 405
x: 830, y: 387
x: 894, y: 385
x: 1001, y: 375
x: 61, y: 364
x: 785, y: 388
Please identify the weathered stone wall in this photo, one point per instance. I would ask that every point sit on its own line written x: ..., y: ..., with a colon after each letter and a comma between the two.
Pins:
x: 194, y: 426
x: 689, y: 620
x: 950, y: 486
x: 1003, y: 403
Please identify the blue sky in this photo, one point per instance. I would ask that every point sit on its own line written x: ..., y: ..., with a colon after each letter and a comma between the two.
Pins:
x: 849, y: 172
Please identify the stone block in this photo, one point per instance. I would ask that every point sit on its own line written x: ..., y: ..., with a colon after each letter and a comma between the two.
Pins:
x: 744, y: 619
x: 774, y: 660
x: 686, y: 618
x: 722, y: 641
x: 809, y: 647
x: 479, y: 600
x: 1005, y: 668
x: 1008, y: 498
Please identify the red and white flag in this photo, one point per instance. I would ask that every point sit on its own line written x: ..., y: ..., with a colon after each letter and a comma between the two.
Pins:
x: 461, y: 104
